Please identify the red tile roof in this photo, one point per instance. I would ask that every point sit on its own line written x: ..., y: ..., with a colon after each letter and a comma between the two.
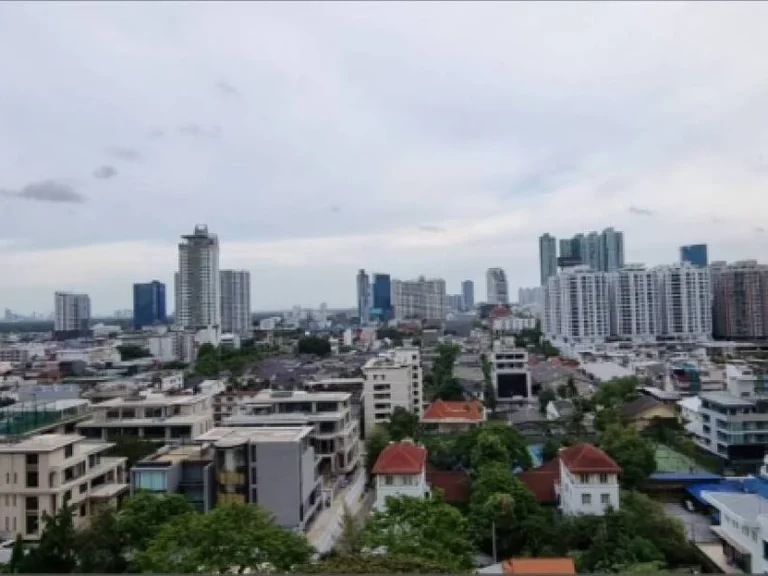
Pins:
x: 541, y: 481
x: 587, y: 459
x: 453, y: 483
x: 499, y: 312
x: 549, y: 566
x: 450, y: 410
x: 401, y: 458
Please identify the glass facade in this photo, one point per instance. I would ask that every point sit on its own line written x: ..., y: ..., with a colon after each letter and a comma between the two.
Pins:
x: 695, y: 254
x: 382, y: 295
x: 152, y: 480
x: 149, y: 304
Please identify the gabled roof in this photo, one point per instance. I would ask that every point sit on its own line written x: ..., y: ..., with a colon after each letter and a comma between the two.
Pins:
x: 401, y: 458
x: 587, y: 459
x: 640, y: 406
x: 453, y: 483
x: 471, y: 410
x: 541, y: 481
x: 550, y: 566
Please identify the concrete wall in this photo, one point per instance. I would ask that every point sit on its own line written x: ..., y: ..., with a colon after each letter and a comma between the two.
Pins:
x: 278, y: 480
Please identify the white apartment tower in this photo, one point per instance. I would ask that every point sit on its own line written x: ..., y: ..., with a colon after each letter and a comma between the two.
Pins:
x: 547, y: 257
x: 392, y: 380
x: 577, y: 305
x: 636, y: 309
x: 236, y: 302
x: 496, y: 286
x: 421, y: 298
x: 363, y: 296
x: 686, y: 301
x: 73, y: 312
x: 198, y: 296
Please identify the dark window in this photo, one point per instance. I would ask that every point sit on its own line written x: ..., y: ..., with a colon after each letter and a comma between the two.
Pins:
x: 69, y: 450
x: 32, y: 480
x: 33, y: 523
x: 31, y: 503
x: 82, y: 510
x: 31, y: 459
x: 84, y: 488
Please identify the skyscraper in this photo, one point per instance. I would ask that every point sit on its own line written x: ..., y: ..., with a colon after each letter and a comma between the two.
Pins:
x: 611, y: 247
x: 363, y: 297
x: 695, y: 254
x: 740, y: 306
x: 577, y: 305
x: 382, y: 296
x: 635, y: 303
x: 148, y: 304
x: 686, y: 303
x: 198, y: 285
x: 72, y: 313
x: 602, y: 251
x: 547, y: 257
x: 236, y: 302
x: 467, y: 295
x: 496, y: 286
x: 423, y: 298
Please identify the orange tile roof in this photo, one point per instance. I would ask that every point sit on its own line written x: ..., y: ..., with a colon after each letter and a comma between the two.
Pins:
x: 549, y: 566
x: 401, y: 458
x: 453, y: 483
x: 541, y: 481
x: 587, y: 459
x: 463, y: 410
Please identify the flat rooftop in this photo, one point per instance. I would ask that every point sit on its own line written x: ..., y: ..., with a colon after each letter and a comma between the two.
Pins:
x: 153, y: 400
x: 271, y: 396
x: 725, y: 399
x: 51, y: 442
x: 174, y: 454
x: 226, y: 437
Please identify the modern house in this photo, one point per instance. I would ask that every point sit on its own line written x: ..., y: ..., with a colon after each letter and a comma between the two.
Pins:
x: 645, y: 410
x: 447, y: 416
x: 44, y: 473
x: 400, y: 470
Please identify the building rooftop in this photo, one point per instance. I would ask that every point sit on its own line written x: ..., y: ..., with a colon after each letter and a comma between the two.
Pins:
x: 174, y: 454
x: 746, y: 506
x: 401, y: 458
x: 51, y: 442
x: 604, y: 371
x: 271, y: 396
x: 588, y: 459
x: 549, y: 566
x: 725, y: 399
x: 227, y: 437
x: 469, y: 410
x: 154, y: 400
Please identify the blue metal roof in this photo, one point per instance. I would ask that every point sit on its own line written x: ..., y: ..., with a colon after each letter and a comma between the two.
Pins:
x: 685, y: 477
x: 750, y: 485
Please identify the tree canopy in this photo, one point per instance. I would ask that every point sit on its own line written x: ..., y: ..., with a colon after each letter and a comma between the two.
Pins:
x: 314, y: 345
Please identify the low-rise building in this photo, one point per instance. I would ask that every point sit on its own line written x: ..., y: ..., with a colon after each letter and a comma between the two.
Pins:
x: 445, y: 416
x: 742, y: 529
x: 157, y: 417
x: 589, y: 480
x: 274, y: 467
x: 390, y: 381
x: 400, y: 470
x: 44, y: 473
x: 510, y: 374
x: 645, y: 410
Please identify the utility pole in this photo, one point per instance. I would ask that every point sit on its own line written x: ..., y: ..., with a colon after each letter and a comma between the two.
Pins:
x: 493, y: 540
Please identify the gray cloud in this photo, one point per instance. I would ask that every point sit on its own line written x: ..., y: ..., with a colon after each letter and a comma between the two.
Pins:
x: 194, y: 130
x: 105, y: 172
x: 335, y: 208
x: 226, y: 88
x: 431, y: 228
x: 760, y: 230
x: 156, y: 133
x: 637, y: 211
x: 47, y: 191
x: 124, y: 153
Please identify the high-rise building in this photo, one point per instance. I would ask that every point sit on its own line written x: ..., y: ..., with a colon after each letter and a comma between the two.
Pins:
x: 421, y: 298
x: 602, y: 251
x: 72, y: 313
x: 686, y: 303
x: 382, y: 296
x: 547, y: 257
x: 577, y: 305
x: 198, y: 285
x: 236, y: 302
x: 611, y: 248
x: 467, y: 295
x: 636, y: 309
x: 530, y: 296
x: 363, y: 297
x: 740, y: 300
x: 695, y: 254
x: 496, y: 286
x: 148, y: 304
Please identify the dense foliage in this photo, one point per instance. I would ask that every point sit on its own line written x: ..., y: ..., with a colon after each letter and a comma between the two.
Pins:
x: 314, y: 345
x: 211, y: 361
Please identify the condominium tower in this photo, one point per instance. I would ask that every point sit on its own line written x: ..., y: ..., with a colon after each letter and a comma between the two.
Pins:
x: 740, y: 300
x: 363, y: 296
x: 236, y: 302
x: 423, y: 298
x: 198, y: 284
x: 547, y: 257
x: 496, y: 286
x: 72, y: 313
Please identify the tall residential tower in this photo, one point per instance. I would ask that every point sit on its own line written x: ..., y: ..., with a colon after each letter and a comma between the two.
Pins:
x: 198, y: 295
x: 236, y: 302
x: 547, y: 257
x: 496, y: 286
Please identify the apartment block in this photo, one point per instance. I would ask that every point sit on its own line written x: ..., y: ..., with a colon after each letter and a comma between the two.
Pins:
x: 274, y: 467
x: 740, y: 300
x: 44, y: 473
x: 577, y: 306
x: 636, y: 309
x: 510, y: 373
x: 422, y: 298
x: 335, y: 432
x: 686, y: 303
x: 152, y: 417
x: 392, y: 380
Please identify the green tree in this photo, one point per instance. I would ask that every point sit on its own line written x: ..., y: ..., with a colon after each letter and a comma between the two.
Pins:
x: 545, y: 397
x: 489, y: 449
x: 571, y: 385
x: 451, y: 390
x: 550, y: 450
x: 403, y: 424
x: 102, y: 545
x: 314, y: 345
x: 56, y: 550
x: 511, y: 439
x: 425, y: 528
x: 375, y: 443
x: 17, y: 556
x: 376, y: 563
x: 144, y: 514
x: 132, y: 352
x: 617, y: 392
x: 548, y: 349
x: 133, y: 448
x: 635, y: 454
x: 206, y: 350
x: 350, y: 540
x: 232, y: 538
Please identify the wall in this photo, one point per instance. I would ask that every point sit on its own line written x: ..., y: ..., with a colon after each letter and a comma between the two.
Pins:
x: 277, y: 480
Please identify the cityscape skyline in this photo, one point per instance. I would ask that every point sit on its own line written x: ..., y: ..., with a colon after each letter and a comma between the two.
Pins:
x: 310, y: 163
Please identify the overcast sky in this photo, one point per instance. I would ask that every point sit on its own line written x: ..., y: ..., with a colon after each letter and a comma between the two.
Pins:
x: 317, y: 139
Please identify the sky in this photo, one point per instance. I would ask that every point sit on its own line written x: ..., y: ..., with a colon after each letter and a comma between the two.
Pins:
x: 409, y: 138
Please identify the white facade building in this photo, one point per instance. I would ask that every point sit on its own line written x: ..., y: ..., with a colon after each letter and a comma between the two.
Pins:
x: 497, y: 289
x: 391, y: 381
x: 400, y: 470
x: 577, y: 306
x: 421, y: 298
x: 686, y: 301
x: 636, y: 309
x: 510, y: 373
x: 589, y: 481
x: 236, y: 302
x: 198, y: 285
x: 72, y: 312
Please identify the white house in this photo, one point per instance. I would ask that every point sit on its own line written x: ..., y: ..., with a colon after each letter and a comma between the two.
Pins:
x: 400, y: 470
x: 589, y: 480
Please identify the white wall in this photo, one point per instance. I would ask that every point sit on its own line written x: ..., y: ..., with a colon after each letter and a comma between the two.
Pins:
x: 573, y: 488
x: 413, y: 485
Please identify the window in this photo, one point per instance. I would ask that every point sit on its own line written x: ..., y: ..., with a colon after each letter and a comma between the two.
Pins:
x: 151, y: 480
x: 605, y: 499
x: 389, y: 480
x: 32, y: 480
x: 31, y: 459
x: 69, y: 450
x: 603, y: 478
x: 586, y: 499
x: 83, y: 488
x: 408, y: 481
x: 584, y: 478
x: 33, y: 524
x: 82, y: 510
x: 765, y: 550
x: 31, y: 503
